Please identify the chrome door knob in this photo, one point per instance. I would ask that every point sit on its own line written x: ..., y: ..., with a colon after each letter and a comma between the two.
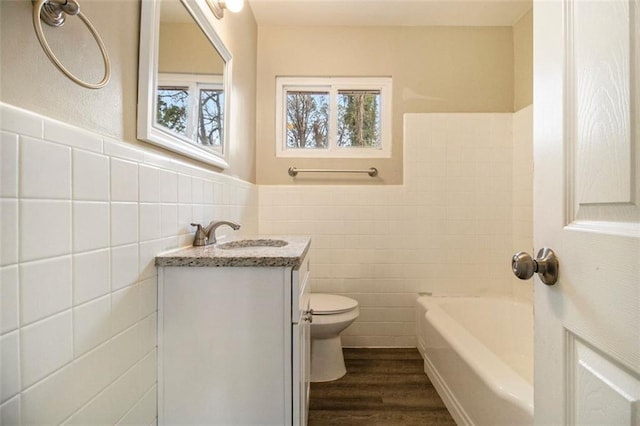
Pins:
x: 546, y: 265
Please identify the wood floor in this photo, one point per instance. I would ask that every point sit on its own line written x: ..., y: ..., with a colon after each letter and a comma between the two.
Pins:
x: 382, y: 387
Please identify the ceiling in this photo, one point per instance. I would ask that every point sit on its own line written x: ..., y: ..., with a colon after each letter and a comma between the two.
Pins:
x: 389, y: 12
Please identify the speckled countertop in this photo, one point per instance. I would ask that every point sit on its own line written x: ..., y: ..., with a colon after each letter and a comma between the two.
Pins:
x: 290, y: 255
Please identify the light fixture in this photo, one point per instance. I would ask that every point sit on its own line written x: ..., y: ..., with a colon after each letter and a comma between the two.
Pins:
x: 218, y: 6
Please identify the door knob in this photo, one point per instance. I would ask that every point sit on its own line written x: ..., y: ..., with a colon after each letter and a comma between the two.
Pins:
x: 546, y: 265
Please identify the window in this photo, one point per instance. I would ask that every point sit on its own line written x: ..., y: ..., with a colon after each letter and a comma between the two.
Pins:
x: 192, y: 106
x: 333, y: 117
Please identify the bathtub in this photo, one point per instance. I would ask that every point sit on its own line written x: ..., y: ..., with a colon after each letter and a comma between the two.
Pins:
x: 478, y: 353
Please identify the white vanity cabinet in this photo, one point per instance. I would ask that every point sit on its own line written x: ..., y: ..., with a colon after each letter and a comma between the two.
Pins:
x: 233, y: 344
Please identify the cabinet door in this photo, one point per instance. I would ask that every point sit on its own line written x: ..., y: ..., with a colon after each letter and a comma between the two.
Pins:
x: 223, y: 346
x: 301, y: 344
x: 301, y: 370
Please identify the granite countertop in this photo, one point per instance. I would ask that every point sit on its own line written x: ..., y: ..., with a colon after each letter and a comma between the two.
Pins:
x: 290, y: 255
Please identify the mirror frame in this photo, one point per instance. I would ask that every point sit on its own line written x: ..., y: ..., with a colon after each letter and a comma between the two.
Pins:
x: 148, y: 130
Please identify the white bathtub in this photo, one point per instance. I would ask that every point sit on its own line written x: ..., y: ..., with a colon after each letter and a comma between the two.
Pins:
x: 478, y: 353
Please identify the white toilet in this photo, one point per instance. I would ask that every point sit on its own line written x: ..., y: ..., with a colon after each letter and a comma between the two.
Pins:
x: 331, y: 315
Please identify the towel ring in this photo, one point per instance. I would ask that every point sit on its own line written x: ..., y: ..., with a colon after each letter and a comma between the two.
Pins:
x: 52, y: 12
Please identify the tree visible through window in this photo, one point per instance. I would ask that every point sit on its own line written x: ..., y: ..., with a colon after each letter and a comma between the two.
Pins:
x: 211, y: 117
x: 173, y: 103
x: 192, y: 108
x: 307, y: 119
x: 359, y: 118
x: 333, y: 117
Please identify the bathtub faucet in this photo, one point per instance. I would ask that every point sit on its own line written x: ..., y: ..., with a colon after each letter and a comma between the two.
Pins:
x: 207, y: 236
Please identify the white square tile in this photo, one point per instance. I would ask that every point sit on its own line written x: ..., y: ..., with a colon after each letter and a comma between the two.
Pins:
x: 9, y: 365
x: 169, y: 220
x: 124, y: 266
x: 90, y: 176
x: 9, y: 302
x: 90, y: 276
x: 168, y: 187
x: 147, y: 334
x: 45, y: 229
x: 222, y: 194
x: 144, y: 412
x: 8, y: 231
x: 149, y: 184
x: 170, y: 243
x: 148, y: 369
x: 124, y: 223
x: 124, y: 150
x: 72, y: 136
x: 50, y: 401
x: 148, y: 297
x: 125, y: 308
x: 19, y: 121
x: 90, y: 226
x: 124, y: 180
x: 198, y: 214
x: 158, y: 160
x: 149, y: 222
x: 93, y: 374
x: 96, y: 412
x: 208, y: 192
x: 8, y: 165
x: 10, y: 411
x: 184, y: 189
x: 45, y: 347
x: 125, y: 350
x: 148, y: 252
x: 197, y: 190
x: 91, y: 324
x: 45, y: 288
x: 185, y: 218
x: 45, y: 170
x: 124, y: 393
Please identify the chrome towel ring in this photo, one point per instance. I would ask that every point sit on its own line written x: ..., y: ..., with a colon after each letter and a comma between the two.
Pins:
x: 52, y: 12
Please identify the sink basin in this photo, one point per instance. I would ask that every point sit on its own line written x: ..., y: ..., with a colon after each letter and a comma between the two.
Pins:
x: 252, y: 244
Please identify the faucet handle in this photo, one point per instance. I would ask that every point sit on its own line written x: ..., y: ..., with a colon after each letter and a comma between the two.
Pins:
x: 201, y: 237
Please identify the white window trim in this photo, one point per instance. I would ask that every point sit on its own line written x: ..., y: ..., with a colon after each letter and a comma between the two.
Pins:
x: 333, y: 85
x: 194, y: 82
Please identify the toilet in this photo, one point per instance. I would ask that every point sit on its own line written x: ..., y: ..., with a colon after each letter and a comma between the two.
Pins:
x: 331, y: 315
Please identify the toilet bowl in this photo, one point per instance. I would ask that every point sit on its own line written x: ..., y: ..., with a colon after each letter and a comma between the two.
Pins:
x: 331, y: 315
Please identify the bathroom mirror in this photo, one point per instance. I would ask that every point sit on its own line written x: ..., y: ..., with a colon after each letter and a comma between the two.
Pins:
x: 184, y: 79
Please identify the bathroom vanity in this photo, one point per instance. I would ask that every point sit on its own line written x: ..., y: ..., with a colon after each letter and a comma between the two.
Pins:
x: 233, y: 333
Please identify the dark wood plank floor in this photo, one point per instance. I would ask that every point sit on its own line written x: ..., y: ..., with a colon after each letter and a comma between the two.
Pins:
x: 382, y: 387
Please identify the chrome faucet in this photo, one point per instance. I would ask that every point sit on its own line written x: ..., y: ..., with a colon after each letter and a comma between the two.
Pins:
x: 207, y: 236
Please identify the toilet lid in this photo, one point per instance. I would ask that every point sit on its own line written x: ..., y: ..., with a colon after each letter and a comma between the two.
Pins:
x: 325, y: 304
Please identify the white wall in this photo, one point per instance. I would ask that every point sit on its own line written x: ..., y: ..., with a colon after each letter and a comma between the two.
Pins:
x: 448, y: 229
x: 82, y: 218
x: 30, y: 81
x: 434, y: 69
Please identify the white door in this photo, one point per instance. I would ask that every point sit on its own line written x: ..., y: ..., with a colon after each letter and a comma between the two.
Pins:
x: 587, y: 209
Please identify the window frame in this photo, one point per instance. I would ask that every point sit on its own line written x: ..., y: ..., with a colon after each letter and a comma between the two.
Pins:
x: 333, y: 85
x: 194, y: 83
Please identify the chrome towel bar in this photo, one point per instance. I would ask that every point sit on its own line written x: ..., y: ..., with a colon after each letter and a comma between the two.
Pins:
x: 371, y: 171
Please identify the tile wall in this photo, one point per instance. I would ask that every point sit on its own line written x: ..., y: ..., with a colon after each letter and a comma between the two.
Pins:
x: 523, y: 194
x: 449, y: 229
x: 82, y: 218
